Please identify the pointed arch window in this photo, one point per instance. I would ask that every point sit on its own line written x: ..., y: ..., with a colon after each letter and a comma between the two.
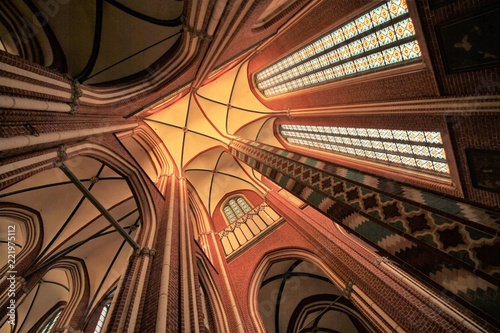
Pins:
x: 245, y: 223
x: 49, y: 325
x: 383, y: 37
x: 236, y: 208
x: 418, y: 150
x: 102, y: 318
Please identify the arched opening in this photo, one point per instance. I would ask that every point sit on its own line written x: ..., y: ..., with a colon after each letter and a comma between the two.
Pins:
x: 247, y: 220
x: 73, y: 226
x: 214, y: 315
x: 292, y: 291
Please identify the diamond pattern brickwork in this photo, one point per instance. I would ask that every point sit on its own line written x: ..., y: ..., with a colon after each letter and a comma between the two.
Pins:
x: 433, y: 235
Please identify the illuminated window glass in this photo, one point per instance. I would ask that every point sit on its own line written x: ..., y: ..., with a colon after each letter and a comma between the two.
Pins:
x: 419, y: 150
x: 236, y: 208
x: 47, y: 328
x: 102, y: 318
x: 381, y: 37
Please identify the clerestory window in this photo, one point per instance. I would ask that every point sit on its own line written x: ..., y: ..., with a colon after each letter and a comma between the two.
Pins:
x: 236, y: 208
x: 102, y: 318
x: 383, y: 37
x: 47, y: 328
x: 419, y: 150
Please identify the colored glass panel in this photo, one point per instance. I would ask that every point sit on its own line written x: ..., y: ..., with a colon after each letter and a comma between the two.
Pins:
x: 415, y: 149
x: 375, y: 33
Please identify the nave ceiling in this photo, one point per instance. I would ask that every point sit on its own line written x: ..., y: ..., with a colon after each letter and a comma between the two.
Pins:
x: 106, y: 45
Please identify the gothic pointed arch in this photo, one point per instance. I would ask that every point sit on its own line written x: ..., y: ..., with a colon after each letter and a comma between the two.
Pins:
x: 25, y: 228
x: 275, y: 285
x: 215, y: 318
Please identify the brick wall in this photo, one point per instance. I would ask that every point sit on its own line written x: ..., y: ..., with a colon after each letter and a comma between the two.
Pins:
x: 218, y: 219
x: 475, y: 131
x: 474, y: 82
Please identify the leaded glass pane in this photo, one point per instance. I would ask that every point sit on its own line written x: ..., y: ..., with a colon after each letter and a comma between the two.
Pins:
x: 351, y: 131
x: 404, y: 29
x: 390, y: 146
x: 397, y: 8
x: 366, y: 143
x: 327, y: 41
x: 433, y: 137
x: 102, y: 318
x: 386, y: 29
x: 237, y: 207
x: 385, y: 134
x: 376, y: 60
x: 409, y: 161
x: 364, y: 23
x: 329, y: 74
x: 370, y: 42
x: 381, y: 156
x: 343, y: 52
x: 338, y: 36
x: 404, y: 148
x: 437, y: 152
x: 350, y: 30
x: 421, y: 150
x: 380, y: 15
x: 243, y: 204
x: 52, y: 322
x: 425, y: 164
x: 339, y: 71
x: 400, y: 135
x: 370, y: 154
x: 386, y: 36
x: 377, y: 145
x: 373, y: 133
x: 410, y: 50
x: 392, y: 55
x: 360, y: 152
x: 394, y: 158
x: 333, y: 56
x: 417, y: 149
x: 356, y: 48
x: 441, y: 167
x: 416, y: 136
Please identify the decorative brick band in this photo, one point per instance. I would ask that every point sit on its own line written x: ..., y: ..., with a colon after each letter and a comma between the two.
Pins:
x: 443, y: 250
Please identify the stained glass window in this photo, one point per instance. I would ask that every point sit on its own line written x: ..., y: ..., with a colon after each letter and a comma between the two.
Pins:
x: 381, y: 37
x: 102, y: 318
x: 419, y: 150
x: 236, y: 208
x: 47, y: 328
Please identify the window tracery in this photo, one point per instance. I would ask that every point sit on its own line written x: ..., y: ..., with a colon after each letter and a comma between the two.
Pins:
x: 419, y: 150
x: 47, y: 328
x: 102, y: 318
x: 382, y: 37
x: 236, y: 208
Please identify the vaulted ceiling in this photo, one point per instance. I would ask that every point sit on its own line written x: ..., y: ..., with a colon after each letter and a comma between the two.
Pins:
x: 172, y: 60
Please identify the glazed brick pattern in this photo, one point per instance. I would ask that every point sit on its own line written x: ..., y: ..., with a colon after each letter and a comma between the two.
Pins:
x: 465, y: 131
x: 426, y: 241
x: 299, y: 233
x: 424, y: 122
x: 476, y: 82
